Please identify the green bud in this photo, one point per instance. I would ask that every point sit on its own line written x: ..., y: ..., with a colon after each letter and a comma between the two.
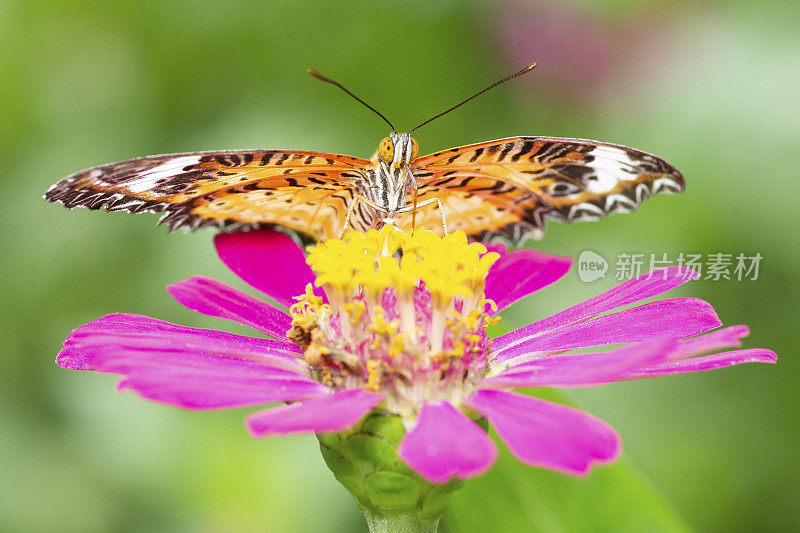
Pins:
x: 392, y: 496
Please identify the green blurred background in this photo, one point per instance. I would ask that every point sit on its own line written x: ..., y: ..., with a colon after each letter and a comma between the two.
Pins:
x: 710, y: 86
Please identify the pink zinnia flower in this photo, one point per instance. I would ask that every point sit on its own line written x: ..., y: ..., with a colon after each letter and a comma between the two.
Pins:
x: 406, y: 333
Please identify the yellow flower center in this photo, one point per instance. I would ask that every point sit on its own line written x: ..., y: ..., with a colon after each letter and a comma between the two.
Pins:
x: 406, y: 314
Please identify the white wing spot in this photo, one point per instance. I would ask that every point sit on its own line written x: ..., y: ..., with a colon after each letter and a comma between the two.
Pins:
x: 611, y: 165
x: 147, y: 180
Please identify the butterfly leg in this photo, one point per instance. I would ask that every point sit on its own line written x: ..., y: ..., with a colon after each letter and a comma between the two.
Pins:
x: 347, y: 216
x: 433, y: 200
x: 441, y: 211
x: 414, y: 203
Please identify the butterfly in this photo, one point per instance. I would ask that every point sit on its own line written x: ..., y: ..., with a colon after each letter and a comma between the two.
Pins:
x: 504, y: 189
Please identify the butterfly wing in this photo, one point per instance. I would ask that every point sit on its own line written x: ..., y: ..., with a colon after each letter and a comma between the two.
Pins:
x: 308, y: 192
x: 508, y: 188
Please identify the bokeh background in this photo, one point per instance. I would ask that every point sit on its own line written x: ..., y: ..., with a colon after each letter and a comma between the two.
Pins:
x: 710, y: 86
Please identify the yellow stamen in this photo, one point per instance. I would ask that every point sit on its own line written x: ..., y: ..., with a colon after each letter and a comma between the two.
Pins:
x: 398, y: 346
x: 375, y: 369
x: 381, y: 327
x: 356, y: 310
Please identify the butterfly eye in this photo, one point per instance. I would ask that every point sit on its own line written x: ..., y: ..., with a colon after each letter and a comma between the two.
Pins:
x: 386, y: 149
x: 414, y: 148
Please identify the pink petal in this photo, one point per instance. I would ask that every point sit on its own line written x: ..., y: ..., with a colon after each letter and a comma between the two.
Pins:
x: 214, y: 298
x: 631, y: 291
x: 322, y: 414
x: 268, y: 260
x: 187, y: 367
x: 674, y: 317
x: 233, y: 384
x: 498, y: 247
x: 546, y: 434
x: 145, y: 334
x: 683, y: 357
x: 585, y: 369
x: 632, y: 362
x: 715, y: 340
x: 521, y: 272
x: 708, y: 362
x: 446, y: 443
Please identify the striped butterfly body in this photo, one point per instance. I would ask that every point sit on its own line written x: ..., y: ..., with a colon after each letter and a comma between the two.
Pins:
x: 506, y: 188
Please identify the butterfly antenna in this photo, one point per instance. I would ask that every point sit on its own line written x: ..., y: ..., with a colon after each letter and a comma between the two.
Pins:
x: 492, y: 86
x: 339, y: 85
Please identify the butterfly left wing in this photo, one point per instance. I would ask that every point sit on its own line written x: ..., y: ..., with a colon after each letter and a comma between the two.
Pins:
x: 309, y: 192
x: 508, y: 188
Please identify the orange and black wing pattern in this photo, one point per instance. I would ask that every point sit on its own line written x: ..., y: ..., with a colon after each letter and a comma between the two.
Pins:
x: 509, y: 188
x: 309, y: 192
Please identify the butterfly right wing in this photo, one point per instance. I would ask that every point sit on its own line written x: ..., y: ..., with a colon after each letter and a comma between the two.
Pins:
x: 309, y: 192
x: 509, y: 188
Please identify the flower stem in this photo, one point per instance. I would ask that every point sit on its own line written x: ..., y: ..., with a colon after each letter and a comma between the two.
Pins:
x: 399, y: 523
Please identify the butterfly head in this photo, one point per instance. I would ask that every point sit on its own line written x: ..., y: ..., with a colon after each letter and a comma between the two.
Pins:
x: 398, y: 149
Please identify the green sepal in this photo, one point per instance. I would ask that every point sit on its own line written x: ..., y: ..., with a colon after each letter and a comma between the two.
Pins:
x: 364, y: 459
